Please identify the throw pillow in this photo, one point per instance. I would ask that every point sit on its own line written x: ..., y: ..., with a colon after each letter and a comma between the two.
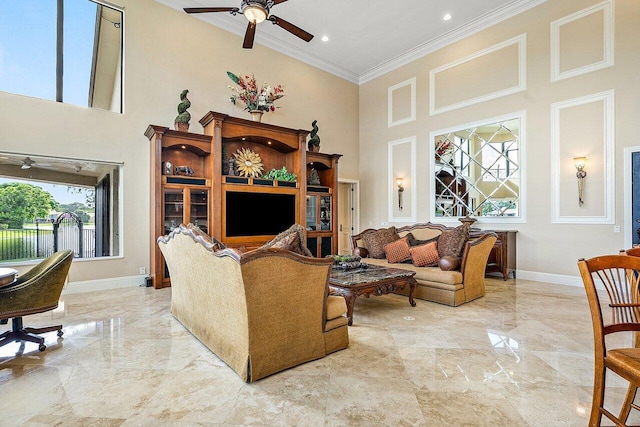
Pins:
x: 449, y: 263
x: 361, y: 252
x: 451, y: 242
x: 415, y: 242
x: 397, y: 251
x: 425, y: 255
x: 291, y: 239
x: 375, y: 240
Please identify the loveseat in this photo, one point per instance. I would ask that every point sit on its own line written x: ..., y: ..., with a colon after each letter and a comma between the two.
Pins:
x: 262, y: 311
x: 450, y: 284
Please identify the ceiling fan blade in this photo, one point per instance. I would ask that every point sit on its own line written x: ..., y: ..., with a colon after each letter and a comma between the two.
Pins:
x: 278, y: 1
x: 249, y: 35
x: 210, y: 9
x: 296, y: 31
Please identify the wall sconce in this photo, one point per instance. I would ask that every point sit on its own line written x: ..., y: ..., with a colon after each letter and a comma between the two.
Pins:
x: 400, y: 183
x: 580, y: 162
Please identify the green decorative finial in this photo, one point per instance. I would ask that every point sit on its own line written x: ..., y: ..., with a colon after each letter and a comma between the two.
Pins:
x: 315, y: 139
x: 183, y: 115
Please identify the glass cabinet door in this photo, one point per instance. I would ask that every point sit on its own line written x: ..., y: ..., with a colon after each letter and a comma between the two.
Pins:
x: 199, y: 209
x: 312, y: 209
x: 325, y: 212
x: 173, y: 209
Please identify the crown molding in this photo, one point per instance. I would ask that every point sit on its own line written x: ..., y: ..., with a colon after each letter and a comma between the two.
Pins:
x: 475, y: 26
x: 238, y: 27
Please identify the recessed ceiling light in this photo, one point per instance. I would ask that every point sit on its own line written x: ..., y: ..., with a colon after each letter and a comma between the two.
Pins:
x: 446, y: 17
x: 325, y: 38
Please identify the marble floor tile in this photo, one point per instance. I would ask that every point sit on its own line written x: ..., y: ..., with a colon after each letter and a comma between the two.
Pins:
x: 520, y: 356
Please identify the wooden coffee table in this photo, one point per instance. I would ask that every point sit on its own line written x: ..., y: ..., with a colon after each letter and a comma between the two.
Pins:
x: 372, y: 280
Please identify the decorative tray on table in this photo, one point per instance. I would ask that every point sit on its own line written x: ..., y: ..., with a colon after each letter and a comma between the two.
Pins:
x: 347, y: 262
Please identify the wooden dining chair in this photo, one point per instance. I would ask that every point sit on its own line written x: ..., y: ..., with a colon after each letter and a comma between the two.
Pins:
x: 631, y: 252
x: 616, y: 310
x: 632, y: 390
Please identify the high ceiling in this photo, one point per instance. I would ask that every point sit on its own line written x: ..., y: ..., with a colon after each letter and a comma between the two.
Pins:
x: 365, y: 38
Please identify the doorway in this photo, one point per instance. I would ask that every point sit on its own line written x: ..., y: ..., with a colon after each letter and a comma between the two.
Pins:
x: 632, y: 196
x: 348, y: 214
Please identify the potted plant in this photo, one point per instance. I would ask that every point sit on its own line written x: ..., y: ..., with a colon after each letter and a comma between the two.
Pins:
x: 314, y: 141
x: 281, y: 175
x: 182, y: 120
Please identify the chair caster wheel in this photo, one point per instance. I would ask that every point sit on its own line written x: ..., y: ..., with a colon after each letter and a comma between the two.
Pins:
x: 42, y: 347
x: 60, y: 333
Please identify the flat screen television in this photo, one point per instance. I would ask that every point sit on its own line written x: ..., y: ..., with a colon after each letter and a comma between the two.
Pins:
x: 258, y: 214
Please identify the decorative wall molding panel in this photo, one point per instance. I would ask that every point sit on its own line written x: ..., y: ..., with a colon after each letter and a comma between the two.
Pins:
x: 583, y: 127
x: 582, y: 42
x: 483, y: 79
x: 487, y: 21
x: 402, y: 103
x: 402, y: 164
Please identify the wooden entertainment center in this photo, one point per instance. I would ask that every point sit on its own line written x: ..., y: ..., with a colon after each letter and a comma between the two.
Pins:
x: 190, y: 183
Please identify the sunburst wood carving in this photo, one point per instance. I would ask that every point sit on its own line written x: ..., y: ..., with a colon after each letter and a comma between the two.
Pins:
x: 249, y: 163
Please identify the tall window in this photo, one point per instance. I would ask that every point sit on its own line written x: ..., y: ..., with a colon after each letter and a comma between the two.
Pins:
x: 63, y: 50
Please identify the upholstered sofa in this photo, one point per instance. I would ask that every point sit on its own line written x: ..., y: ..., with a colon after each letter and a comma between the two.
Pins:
x: 452, y: 287
x: 260, y: 312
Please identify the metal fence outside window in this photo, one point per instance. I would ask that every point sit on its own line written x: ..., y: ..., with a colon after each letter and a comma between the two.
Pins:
x: 65, y: 232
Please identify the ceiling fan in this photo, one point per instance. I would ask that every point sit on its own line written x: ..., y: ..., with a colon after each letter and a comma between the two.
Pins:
x: 27, y: 163
x: 256, y: 11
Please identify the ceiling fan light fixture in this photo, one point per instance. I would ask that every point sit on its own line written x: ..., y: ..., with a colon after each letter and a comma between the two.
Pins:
x: 255, y: 12
x: 27, y: 163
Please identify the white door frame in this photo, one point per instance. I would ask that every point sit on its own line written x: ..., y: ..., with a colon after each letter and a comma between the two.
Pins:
x: 628, y: 217
x: 355, y: 184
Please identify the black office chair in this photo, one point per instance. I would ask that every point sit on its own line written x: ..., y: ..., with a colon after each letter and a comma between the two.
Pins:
x: 36, y: 291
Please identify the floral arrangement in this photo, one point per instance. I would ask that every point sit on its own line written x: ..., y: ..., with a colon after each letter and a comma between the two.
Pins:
x: 444, y: 148
x: 254, y: 99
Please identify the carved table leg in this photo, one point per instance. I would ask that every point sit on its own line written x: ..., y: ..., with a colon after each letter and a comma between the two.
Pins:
x: 350, y: 299
x: 412, y: 289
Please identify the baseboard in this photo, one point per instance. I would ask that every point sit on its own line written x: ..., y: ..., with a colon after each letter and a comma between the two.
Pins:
x: 556, y: 279
x: 103, y: 284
